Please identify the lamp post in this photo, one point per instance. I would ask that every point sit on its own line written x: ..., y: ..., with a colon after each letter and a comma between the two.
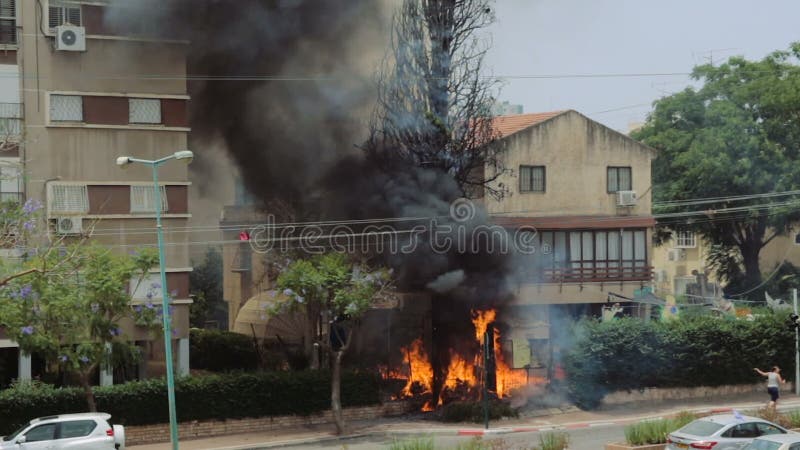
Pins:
x: 124, y: 161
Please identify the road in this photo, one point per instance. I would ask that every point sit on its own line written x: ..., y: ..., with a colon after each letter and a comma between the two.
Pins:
x: 593, y: 438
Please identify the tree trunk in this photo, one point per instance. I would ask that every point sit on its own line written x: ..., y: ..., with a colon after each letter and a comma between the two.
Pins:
x: 87, y: 390
x: 336, y: 392
x: 752, y: 269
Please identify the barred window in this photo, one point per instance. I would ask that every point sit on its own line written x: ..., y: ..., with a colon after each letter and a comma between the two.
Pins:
x: 63, y: 13
x: 66, y: 108
x: 143, y: 199
x: 144, y: 110
x: 531, y: 179
x: 619, y: 179
x: 685, y: 239
x: 69, y: 199
x: 8, y: 22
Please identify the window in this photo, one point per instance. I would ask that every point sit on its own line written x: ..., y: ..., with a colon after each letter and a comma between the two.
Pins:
x: 64, y: 13
x: 8, y: 22
x: 797, y: 239
x: 10, y: 184
x: 77, y: 428
x: 45, y: 432
x: 685, y: 239
x: 69, y: 199
x: 66, y: 108
x: 594, y: 254
x: 143, y: 199
x: 531, y: 179
x: 619, y: 179
x: 144, y: 110
x: 767, y: 428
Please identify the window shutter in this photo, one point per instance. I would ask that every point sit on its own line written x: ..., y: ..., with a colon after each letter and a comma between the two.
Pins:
x: 537, y: 175
x: 69, y: 199
x: 143, y: 199
x: 55, y: 16
x: 144, y: 110
x: 624, y: 178
x: 66, y: 108
x: 612, y: 180
x: 524, y: 179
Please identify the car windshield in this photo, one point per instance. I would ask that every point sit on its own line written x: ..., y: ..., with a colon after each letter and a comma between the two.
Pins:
x: 701, y: 428
x: 14, y: 434
x: 759, y: 444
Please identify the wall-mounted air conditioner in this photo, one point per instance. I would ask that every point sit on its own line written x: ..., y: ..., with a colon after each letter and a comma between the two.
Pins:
x: 626, y: 198
x: 69, y: 225
x: 70, y: 38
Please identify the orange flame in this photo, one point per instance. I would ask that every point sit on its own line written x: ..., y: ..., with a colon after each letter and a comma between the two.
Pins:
x: 461, y: 370
x: 419, y: 366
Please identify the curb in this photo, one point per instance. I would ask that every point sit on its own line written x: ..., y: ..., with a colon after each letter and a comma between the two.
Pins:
x: 494, y: 431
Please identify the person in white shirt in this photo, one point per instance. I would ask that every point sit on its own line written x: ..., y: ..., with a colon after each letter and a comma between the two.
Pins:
x: 773, y: 383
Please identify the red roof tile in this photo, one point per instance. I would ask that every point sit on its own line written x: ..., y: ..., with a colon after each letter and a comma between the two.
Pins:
x: 508, y: 125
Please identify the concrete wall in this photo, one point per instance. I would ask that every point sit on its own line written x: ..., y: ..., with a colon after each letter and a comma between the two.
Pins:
x: 151, y: 434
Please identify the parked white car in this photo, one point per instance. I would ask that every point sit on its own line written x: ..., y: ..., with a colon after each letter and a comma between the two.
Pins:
x: 722, y: 432
x: 789, y: 441
x: 86, y: 431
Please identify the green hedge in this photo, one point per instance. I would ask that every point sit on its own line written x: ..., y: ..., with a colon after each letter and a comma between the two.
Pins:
x: 222, y: 351
x: 197, y: 398
x: 630, y: 354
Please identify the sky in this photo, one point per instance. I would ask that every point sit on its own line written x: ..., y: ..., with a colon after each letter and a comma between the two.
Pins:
x: 600, y: 37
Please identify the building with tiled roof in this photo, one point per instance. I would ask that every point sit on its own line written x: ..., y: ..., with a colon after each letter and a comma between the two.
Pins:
x: 579, y: 197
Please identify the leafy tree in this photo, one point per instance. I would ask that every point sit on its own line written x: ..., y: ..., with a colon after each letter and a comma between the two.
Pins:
x: 334, y: 293
x: 738, y: 134
x: 68, y: 305
x: 434, y: 102
x: 205, y: 282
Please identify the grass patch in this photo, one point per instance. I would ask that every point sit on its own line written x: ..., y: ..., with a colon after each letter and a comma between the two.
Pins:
x: 413, y: 444
x: 655, y: 431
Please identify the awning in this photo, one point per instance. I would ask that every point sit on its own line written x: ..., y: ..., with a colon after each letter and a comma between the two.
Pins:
x: 255, y: 318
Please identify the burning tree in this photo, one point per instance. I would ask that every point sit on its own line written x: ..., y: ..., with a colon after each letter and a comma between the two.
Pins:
x: 334, y: 293
x: 434, y: 105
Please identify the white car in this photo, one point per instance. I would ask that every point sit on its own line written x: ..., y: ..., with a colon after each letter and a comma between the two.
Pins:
x: 776, y: 442
x: 722, y: 432
x: 86, y: 431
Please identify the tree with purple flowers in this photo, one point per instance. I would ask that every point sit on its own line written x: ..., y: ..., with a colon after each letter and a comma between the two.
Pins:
x: 69, y: 307
x: 335, y: 293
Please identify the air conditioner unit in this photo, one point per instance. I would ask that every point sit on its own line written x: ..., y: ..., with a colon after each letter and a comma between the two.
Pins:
x: 626, y: 198
x: 676, y: 254
x: 70, y: 38
x: 69, y: 225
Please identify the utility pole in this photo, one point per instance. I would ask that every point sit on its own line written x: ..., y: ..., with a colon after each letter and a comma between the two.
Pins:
x: 487, y: 347
x: 796, y: 348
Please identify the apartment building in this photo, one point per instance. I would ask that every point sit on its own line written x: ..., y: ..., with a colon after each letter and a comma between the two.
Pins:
x: 582, y: 192
x: 75, y: 94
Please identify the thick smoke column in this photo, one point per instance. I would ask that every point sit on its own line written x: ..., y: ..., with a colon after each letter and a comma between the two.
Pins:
x: 283, y: 83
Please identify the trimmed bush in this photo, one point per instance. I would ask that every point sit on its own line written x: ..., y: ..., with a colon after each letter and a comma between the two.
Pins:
x: 197, y: 398
x: 222, y: 351
x: 629, y: 354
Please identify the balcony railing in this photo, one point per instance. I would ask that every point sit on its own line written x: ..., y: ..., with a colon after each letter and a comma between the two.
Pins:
x: 597, y: 274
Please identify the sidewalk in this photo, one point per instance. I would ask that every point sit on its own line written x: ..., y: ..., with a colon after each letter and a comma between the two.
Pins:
x: 405, y: 426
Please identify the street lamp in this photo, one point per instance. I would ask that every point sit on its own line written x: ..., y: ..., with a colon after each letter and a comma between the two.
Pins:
x: 123, y: 161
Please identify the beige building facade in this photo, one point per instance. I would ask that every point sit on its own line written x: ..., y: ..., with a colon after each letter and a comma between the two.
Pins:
x: 85, y: 94
x: 581, y: 192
